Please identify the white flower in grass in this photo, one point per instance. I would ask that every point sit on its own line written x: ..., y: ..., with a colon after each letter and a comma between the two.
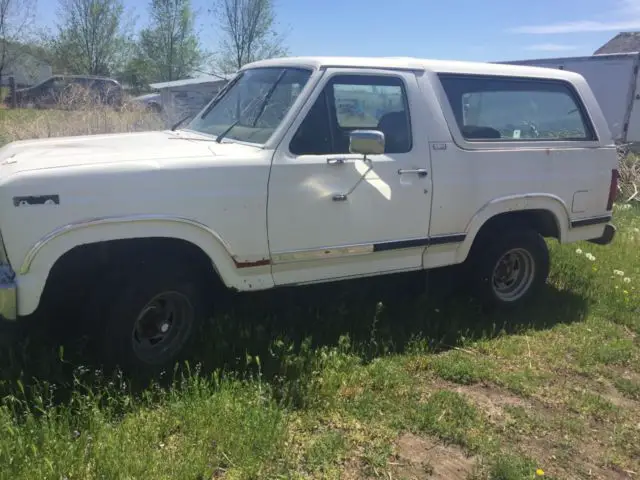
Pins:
x: 590, y: 257
x: 579, y: 251
x: 620, y: 273
x: 626, y: 280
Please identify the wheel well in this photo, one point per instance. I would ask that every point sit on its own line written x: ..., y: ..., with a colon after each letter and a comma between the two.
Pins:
x: 542, y: 221
x: 83, y: 267
x: 154, y: 107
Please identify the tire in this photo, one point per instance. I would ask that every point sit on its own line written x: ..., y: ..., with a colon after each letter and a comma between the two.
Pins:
x: 147, y: 319
x: 509, y: 268
x: 154, y: 108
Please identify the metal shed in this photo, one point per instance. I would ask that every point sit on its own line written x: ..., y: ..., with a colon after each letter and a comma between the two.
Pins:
x: 183, y: 97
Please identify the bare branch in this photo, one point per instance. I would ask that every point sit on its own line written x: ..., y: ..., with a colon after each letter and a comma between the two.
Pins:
x: 16, y: 18
x: 249, y: 32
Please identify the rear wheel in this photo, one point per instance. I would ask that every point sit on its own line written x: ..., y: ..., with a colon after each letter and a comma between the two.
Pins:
x: 508, y: 268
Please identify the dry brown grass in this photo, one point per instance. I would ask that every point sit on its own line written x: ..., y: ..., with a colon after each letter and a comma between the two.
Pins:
x: 629, y: 177
x: 26, y: 124
x: 75, y: 115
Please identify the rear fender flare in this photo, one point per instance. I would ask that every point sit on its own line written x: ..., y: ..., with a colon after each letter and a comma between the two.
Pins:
x: 513, y: 204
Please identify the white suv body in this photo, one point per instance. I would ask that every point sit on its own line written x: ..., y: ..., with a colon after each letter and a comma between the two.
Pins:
x: 284, y: 198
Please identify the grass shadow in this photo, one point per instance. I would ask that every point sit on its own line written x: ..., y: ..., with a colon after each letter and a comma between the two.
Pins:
x: 378, y: 316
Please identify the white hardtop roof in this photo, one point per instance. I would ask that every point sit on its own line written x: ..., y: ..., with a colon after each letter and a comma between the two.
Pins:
x: 416, y: 64
x: 189, y: 81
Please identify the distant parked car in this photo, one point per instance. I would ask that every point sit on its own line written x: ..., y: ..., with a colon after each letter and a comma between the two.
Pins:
x: 69, y: 90
x: 150, y: 101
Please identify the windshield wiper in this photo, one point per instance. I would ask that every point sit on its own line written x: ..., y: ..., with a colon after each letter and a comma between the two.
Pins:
x: 227, y: 130
x: 220, y: 94
x: 180, y: 122
x: 268, y: 96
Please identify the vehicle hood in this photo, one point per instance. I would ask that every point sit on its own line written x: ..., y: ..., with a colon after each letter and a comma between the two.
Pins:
x: 146, y: 98
x: 29, y: 155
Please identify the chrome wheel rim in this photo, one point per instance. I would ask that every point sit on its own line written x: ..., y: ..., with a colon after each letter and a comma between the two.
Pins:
x: 513, y: 274
x: 162, y: 327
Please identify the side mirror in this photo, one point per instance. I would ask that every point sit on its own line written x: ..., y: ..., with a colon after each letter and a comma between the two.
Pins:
x: 366, y: 142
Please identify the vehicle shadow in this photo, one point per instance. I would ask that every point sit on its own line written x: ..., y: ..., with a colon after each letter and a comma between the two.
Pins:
x: 379, y: 316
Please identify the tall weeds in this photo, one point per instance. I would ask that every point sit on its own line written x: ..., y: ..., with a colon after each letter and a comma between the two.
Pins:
x: 629, y: 185
x: 75, y: 114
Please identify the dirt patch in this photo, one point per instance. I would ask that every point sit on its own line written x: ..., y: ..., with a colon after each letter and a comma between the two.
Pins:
x: 549, y: 449
x: 627, y: 374
x: 353, y: 470
x: 618, y: 399
x: 423, y: 458
x: 490, y: 399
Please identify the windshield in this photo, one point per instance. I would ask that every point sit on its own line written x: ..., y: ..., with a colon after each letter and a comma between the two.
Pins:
x: 253, y: 105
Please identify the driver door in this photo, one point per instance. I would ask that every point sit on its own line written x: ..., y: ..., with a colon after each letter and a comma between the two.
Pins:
x: 330, y: 213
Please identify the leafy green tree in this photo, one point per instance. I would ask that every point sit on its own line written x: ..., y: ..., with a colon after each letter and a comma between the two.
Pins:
x: 92, y: 37
x: 169, y: 48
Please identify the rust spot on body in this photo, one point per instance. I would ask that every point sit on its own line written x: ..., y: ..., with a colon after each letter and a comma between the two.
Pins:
x: 258, y: 263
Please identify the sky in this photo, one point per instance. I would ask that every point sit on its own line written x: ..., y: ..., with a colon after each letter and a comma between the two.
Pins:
x: 477, y: 30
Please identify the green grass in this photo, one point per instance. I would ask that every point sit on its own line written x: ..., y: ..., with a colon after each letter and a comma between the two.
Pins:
x: 628, y: 388
x: 289, y: 385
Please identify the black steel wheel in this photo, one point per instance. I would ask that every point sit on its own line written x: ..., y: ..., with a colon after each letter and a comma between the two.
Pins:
x: 147, y: 318
x: 510, y: 267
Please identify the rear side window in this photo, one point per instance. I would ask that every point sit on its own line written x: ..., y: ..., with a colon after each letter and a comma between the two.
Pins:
x: 513, y: 109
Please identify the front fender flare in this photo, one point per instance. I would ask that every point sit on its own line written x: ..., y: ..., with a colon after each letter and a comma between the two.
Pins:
x: 39, y: 260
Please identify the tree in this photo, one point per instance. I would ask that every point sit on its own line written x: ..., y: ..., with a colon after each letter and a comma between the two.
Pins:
x: 92, y: 38
x: 169, y: 48
x: 249, y: 32
x: 137, y: 73
x: 15, y: 18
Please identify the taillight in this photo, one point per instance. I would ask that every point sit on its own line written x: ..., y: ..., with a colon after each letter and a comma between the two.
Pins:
x: 613, y: 188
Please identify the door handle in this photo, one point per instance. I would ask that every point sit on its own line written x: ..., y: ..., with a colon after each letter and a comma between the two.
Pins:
x: 421, y: 172
x: 343, y: 160
x: 336, y: 161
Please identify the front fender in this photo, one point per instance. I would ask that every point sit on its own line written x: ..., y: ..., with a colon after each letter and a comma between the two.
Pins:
x: 514, y: 203
x: 241, y: 274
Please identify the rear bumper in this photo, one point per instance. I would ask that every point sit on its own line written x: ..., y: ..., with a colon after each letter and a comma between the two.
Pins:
x: 607, y: 236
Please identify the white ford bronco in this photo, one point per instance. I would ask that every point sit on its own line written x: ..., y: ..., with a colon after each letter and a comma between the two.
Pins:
x: 304, y: 170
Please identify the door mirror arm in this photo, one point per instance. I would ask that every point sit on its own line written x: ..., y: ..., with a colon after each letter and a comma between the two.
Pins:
x: 364, y: 142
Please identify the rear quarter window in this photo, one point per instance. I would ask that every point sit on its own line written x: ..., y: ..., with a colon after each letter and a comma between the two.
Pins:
x: 516, y: 109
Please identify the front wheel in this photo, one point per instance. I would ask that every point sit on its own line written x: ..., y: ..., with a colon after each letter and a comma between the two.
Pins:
x: 509, y: 268
x: 148, y: 319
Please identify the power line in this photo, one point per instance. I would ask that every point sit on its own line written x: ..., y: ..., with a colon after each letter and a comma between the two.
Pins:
x: 221, y: 77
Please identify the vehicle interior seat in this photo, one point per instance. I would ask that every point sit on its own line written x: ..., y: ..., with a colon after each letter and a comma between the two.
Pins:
x: 395, y: 127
